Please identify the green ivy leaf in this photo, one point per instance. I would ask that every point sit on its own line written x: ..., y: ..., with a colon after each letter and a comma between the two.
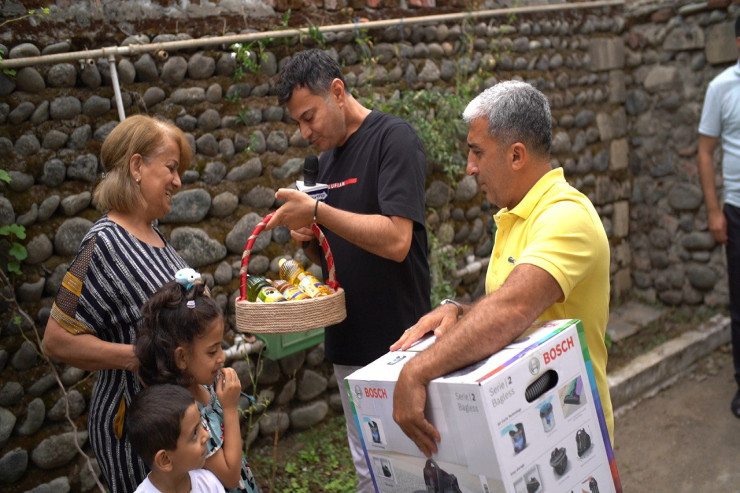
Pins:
x: 13, y: 229
x: 4, y: 176
x: 14, y: 268
x: 18, y: 251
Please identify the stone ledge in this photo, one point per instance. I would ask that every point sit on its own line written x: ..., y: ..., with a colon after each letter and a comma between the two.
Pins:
x: 658, y: 368
x: 627, y: 319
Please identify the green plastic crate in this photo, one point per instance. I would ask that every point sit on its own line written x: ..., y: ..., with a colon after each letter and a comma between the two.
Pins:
x: 280, y: 345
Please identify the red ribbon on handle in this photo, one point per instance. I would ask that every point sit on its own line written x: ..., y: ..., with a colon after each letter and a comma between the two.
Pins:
x: 331, y: 282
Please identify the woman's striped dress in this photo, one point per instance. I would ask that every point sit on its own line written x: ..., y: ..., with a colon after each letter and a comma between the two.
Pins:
x: 113, y: 275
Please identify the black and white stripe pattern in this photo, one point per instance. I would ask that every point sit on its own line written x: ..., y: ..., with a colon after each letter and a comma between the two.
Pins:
x: 121, y: 275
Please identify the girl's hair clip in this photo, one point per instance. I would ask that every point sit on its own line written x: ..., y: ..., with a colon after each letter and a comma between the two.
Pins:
x: 191, y: 303
x: 187, y: 278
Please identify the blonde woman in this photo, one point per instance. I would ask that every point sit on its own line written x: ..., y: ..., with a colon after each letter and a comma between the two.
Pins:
x: 122, y: 260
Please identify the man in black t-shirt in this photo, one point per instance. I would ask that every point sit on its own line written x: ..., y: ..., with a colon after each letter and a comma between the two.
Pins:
x: 375, y: 225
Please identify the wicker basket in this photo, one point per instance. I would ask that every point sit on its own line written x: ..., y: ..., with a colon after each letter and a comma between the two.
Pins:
x: 291, y: 316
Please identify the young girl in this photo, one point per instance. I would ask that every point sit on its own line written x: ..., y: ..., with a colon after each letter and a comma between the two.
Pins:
x: 179, y: 342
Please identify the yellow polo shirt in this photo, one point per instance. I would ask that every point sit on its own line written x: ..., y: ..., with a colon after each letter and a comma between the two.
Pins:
x: 556, y: 228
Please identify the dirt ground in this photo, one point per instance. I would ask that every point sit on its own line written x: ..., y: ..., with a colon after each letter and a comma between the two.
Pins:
x: 683, y: 439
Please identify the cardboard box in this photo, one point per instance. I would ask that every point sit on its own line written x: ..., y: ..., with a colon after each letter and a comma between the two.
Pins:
x: 528, y: 419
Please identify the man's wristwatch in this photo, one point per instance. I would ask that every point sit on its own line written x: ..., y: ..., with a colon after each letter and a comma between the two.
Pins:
x: 453, y: 302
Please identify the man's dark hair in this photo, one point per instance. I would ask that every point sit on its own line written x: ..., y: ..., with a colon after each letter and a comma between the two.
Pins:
x: 153, y: 419
x: 313, y: 69
x: 737, y: 27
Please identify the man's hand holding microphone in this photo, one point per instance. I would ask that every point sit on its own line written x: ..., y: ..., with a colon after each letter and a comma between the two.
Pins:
x: 300, y: 206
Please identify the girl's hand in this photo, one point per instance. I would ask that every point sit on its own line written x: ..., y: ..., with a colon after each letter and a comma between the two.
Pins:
x: 228, y: 388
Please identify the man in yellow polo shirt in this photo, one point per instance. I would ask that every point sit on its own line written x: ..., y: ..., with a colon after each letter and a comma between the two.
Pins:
x: 550, y: 259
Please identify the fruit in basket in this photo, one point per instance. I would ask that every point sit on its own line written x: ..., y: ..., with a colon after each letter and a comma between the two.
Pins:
x: 260, y: 290
x: 292, y: 271
x: 291, y: 293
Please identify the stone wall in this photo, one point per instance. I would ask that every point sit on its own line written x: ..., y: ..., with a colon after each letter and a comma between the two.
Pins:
x: 626, y: 85
x: 670, y: 62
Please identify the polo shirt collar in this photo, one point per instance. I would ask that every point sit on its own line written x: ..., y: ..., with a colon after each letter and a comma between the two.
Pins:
x: 524, y: 208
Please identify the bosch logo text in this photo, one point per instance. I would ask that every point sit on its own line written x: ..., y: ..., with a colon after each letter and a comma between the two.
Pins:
x: 559, y: 349
x: 375, y: 393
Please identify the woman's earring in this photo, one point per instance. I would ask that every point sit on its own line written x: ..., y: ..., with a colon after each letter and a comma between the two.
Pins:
x: 138, y: 180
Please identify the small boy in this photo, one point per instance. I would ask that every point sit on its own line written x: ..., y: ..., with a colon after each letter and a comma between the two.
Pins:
x: 165, y: 428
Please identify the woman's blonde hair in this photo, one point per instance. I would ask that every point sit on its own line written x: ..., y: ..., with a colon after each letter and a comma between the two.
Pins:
x: 138, y: 134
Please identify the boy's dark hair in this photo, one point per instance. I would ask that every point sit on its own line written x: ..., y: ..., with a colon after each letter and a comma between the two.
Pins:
x: 737, y: 27
x: 168, y: 322
x: 313, y: 69
x: 153, y: 419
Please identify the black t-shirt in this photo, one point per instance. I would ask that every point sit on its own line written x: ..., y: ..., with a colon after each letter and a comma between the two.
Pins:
x: 383, y: 297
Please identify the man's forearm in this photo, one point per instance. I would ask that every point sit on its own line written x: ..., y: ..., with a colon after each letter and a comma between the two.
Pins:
x: 705, y: 161
x: 492, y: 323
x: 387, y: 237
x: 479, y: 334
x: 86, y: 351
x: 706, y: 176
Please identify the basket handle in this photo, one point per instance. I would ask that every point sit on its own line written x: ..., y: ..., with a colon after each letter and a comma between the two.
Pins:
x: 331, y: 282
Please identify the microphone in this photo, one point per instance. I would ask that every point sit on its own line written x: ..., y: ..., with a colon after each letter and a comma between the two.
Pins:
x: 310, y: 170
x: 310, y: 175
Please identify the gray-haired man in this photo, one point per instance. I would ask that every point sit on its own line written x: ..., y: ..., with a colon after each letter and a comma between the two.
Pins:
x: 550, y: 259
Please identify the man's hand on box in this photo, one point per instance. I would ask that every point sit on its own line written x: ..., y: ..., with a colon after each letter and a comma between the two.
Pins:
x: 295, y: 213
x: 409, y: 400
x: 438, y: 320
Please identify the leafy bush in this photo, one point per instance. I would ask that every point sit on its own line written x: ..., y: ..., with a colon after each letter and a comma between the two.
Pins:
x: 437, y: 118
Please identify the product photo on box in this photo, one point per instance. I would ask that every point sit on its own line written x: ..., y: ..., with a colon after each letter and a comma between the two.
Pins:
x: 527, y: 419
